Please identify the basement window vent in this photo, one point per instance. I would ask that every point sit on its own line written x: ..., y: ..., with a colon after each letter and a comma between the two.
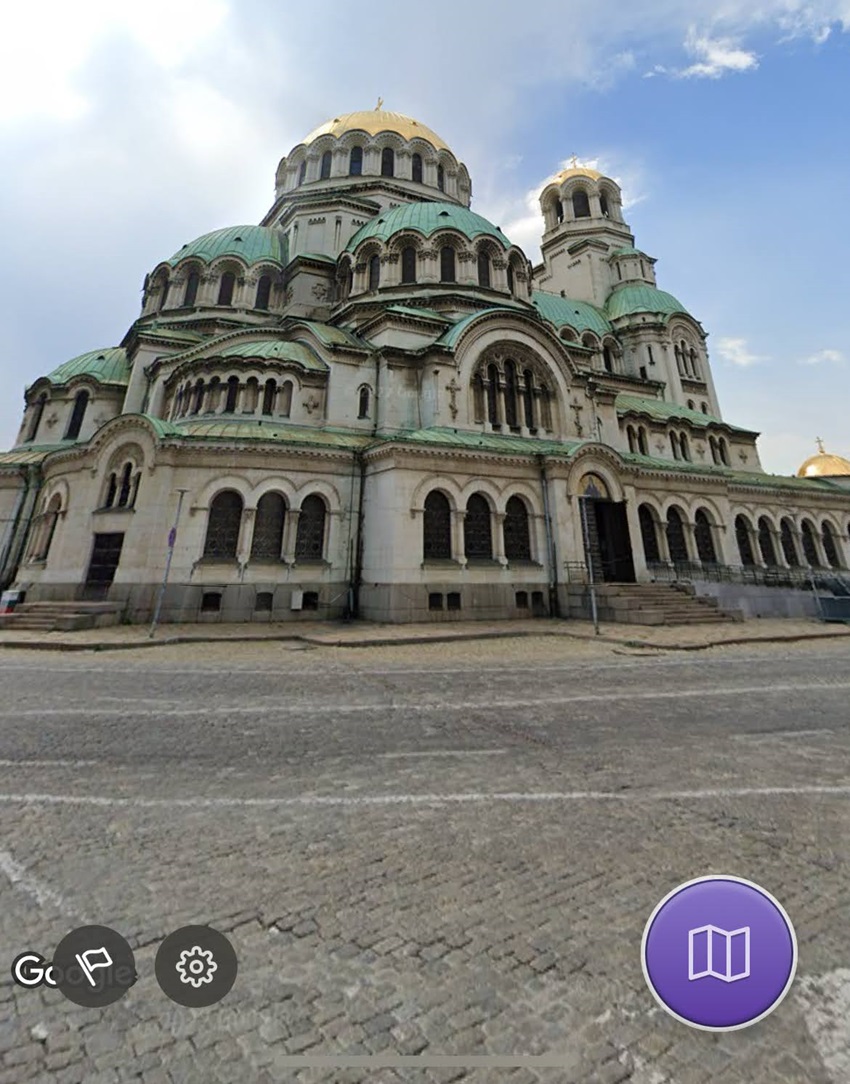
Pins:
x: 435, y: 601
x: 210, y: 602
x: 453, y: 600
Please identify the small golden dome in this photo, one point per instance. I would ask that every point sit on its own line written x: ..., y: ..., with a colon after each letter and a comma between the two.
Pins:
x: 578, y: 171
x: 824, y: 465
x: 374, y: 121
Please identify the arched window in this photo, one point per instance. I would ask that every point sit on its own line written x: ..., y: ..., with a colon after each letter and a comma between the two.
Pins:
x: 765, y: 537
x: 310, y: 536
x: 408, y: 264
x: 603, y: 205
x: 677, y: 350
x: 212, y: 395
x: 789, y: 546
x: 163, y: 291
x: 223, y: 525
x: 517, y: 537
x: 363, y: 403
x: 374, y: 272
x: 387, y: 162
x: 441, y: 178
x: 437, y: 527
x: 676, y: 536
x: 723, y: 449
x: 198, y: 399
x: 267, y: 542
x: 81, y: 401
x: 269, y: 394
x: 810, y: 550
x: 477, y: 528
x: 484, y: 268
x: 355, y: 162
x: 111, y: 490
x: 47, y: 526
x: 630, y: 434
x: 528, y: 398
x: 225, y: 290
x: 744, y: 539
x: 829, y: 547
x: 674, y: 445
x: 232, y: 394
x: 546, y: 408
x: 492, y: 395
x: 648, y: 534
x: 325, y: 169
x: 685, y: 447
x: 447, y: 264
x: 37, y: 413
x: 581, y: 204
x: 264, y: 290
x: 126, y: 487
x: 302, y: 172
x: 643, y: 443
x: 478, y: 397
x: 691, y: 404
x: 416, y: 168
x: 252, y: 394
x: 559, y: 210
x: 607, y: 359
x: 694, y: 366
x: 192, y: 284
x: 285, y: 400
x: 715, y: 455
x: 704, y: 538
x: 511, y: 395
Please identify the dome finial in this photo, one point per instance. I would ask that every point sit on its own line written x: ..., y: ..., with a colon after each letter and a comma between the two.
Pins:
x: 819, y: 442
x: 380, y: 104
x: 574, y: 161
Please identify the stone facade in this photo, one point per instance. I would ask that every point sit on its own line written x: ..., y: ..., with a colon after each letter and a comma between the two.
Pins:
x: 371, y: 403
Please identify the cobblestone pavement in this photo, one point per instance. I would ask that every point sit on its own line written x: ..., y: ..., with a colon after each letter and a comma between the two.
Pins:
x: 446, y: 851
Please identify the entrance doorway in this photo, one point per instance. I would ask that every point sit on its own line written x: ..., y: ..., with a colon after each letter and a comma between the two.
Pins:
x: 105, y: 555
x: 613, y: 550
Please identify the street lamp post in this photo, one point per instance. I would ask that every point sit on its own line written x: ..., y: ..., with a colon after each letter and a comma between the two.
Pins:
x: 172, y: 539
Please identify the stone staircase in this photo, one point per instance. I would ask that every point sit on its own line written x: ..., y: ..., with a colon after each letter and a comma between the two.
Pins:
x: 61, y: 616
x: 655, y: 604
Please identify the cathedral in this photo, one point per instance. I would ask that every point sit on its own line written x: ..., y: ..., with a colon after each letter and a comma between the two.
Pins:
x: 372, y: 404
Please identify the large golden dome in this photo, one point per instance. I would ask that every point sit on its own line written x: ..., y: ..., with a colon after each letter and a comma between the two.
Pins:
x: 374, y: 121
x: 824, y: 465
x: 578, y: 171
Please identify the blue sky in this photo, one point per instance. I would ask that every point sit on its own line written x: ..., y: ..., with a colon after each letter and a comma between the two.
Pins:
x: 127, y: 130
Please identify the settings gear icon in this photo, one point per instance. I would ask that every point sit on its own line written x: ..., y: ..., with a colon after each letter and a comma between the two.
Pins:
x: 196, y: 966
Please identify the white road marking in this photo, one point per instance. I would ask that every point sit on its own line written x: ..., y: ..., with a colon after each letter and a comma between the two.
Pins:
x: 473, y: 798
x: 42, y: 894
x: 444, y: 706
x: 47, y: 763
x: 826, y: 1008
x: 444, y: 753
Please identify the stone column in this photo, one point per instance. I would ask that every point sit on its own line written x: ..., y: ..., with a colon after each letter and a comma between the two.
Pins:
x: 458, y: 518
x: 498, y: 521
x: 290, y: 534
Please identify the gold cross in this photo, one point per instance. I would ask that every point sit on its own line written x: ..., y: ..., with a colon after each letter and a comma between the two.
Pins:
x: 574, y: 161
x: 821, y: 448
x: 380, y: 103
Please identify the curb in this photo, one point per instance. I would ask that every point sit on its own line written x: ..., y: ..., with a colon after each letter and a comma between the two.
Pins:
x: 406, y: 641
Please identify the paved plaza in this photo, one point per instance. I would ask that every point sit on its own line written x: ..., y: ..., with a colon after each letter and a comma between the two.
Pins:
x: 435, y: 861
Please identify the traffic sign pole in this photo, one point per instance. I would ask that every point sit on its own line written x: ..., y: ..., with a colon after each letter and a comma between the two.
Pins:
x: 172, y: 539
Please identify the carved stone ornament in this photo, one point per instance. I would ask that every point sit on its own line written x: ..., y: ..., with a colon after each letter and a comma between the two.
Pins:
x: 312, y: 403
x: 320, y: 291
x: 52, y: 420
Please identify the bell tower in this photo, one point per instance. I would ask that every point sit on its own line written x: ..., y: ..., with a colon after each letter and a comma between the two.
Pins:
x: 584, y: 227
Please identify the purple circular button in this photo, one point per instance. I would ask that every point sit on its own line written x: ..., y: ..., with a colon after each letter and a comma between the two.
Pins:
x: 719, y: 953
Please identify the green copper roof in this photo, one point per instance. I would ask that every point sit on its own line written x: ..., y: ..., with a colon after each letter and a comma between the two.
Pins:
x: 735, y: 477
x: 427, y: 218
x: 108, y: 366
x: 450, y: 337
x: 489, y: 442
x: 251, y: 243
x: 662, y: 411
x: 562, y: 311
x: 272, y: 350
x: 280, y: 432
x: 636, y: 297
x: 628, y: 250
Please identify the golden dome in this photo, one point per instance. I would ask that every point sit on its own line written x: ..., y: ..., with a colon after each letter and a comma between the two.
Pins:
x: 374, y: 121
x: 824, y: 465
x: 577, y: 171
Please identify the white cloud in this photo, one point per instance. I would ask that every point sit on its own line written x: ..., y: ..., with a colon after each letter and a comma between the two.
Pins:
x: 737, y: 352
x: 831, y: 356
x: 715, y: 57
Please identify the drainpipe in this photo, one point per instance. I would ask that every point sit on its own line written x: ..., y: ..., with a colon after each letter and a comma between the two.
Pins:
x: 554, y: 607
x: 357, y: 570
x: 21, y: 529
x: 10, y: 531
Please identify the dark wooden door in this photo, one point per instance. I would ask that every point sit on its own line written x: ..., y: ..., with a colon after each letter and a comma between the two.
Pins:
x: 105, y: 555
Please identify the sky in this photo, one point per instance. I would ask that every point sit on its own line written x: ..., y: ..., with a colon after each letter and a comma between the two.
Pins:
x: 127, y: 130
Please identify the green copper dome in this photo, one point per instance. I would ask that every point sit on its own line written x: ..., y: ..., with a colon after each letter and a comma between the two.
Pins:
x: 427, y: 218
x: 108, y: 366
x: 636, y: 297
x: 563, y: 312
x: 251, y: 243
